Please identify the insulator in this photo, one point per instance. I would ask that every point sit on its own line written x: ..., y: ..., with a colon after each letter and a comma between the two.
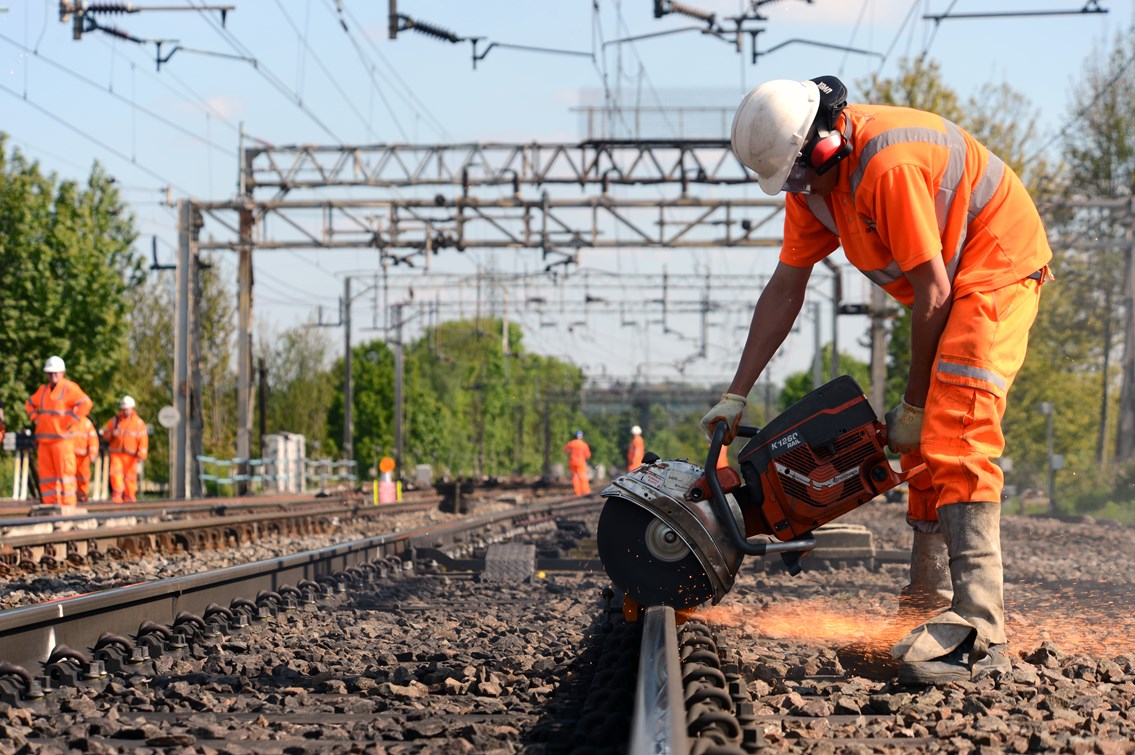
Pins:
x: 430, y: 30
x: 110, y: 8
x: 686, y: 10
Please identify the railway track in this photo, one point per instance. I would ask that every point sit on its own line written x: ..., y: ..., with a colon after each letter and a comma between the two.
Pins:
x: 454, y: 656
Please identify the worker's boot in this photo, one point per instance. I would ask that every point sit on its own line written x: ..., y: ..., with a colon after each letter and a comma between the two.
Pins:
x: 930, y: 589
x: 968, y: 640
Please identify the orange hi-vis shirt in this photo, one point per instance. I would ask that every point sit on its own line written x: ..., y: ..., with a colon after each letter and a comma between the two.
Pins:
x: 917, y: 186
x: 55, y: 410
x: 578, y: 453
x: 127, y: 436
x: 86, y: 438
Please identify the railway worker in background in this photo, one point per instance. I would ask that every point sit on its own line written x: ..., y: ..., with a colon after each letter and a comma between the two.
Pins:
x: 578, y: 453
x: 86, y: 442
x: 949, y: 230
x: 129, y: 443
x: 55, y: 410
x: 636, y: 450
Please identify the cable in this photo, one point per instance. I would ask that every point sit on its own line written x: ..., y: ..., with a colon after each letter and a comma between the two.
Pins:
x: 409, y: 90
x: 91, y: 82
x: 934, y: 31
x: 201, y: 101
x: 262, y: 69
x: 90, y: 138
x: 898, y: 34
x: 323, y: 67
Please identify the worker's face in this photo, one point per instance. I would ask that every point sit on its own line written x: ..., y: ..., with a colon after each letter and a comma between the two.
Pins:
x: 124, y: 413
x: 54, y: 377
x: 804, y: 180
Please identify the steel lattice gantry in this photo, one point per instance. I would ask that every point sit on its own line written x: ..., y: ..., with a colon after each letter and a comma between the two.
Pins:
x: 409, y: 202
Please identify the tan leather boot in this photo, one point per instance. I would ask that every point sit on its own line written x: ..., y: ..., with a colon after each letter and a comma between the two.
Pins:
x: 968, y: 640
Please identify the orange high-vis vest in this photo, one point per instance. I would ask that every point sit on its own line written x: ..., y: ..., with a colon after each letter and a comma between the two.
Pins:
x: 55, y: 410
x: 86, y: 438
x: 578, y: 453
x: 127, y: 436
x: 635, y: 452
x: 917, y: 186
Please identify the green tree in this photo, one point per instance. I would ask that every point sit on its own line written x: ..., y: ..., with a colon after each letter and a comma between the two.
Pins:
x: 300, y: 388
x: 67, y: 277
x: 800, y: 384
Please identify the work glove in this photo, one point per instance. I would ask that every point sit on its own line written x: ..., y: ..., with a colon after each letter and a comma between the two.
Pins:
x: 904, y: 427
x: 728, y: 410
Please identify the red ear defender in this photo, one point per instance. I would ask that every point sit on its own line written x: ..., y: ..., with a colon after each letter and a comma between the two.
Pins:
x: 827, y: 151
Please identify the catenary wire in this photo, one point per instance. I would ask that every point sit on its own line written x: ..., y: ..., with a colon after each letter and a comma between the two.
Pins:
x: 266, y: 73
x: 326, y: 71
x: 369, y: 69
x: 117, y: 153
x: 91, y: 82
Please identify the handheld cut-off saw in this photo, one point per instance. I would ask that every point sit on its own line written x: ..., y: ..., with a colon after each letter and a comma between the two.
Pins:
x: 674, y: 533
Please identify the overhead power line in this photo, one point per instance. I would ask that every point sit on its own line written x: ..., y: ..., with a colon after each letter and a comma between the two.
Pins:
x: 409, y: 95
x: 69, y: 126
x: 141, y: 108
x: 1090, y: 7
x: 266, y: 73
x: 402, y: 22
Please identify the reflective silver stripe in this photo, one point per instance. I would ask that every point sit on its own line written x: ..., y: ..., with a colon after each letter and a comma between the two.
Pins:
x: 53, y: 412
x: 886, y: 275
x: 820, y: 209
x: 52, y: 436
x: 986, y: 187
x: 954, y: 141
x: 968, y: 370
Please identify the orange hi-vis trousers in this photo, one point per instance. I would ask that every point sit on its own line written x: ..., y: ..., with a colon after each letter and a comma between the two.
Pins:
x: 979, y: 354
x: 123, y: 478
x: 55, y: 464
x: 579, y: 481
x: 83, y: 477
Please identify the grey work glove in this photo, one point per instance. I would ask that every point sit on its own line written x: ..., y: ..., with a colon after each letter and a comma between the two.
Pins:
x: 904, y: 427
x: 728, y: 410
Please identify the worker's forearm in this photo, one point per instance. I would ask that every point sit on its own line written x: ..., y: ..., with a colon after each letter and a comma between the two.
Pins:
x: 772, y: 320
x: 928, y: 320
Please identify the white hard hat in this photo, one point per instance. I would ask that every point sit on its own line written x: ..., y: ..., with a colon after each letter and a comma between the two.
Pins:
x: 126, y: 403
x: 54, y: 364
x: 636, y: 430
x: 770, y: 127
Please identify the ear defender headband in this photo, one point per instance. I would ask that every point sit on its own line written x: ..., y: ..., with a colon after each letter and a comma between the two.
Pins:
x: 827, y: 145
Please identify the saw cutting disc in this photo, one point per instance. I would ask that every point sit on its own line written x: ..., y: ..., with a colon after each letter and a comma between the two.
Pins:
x: 648, y: 559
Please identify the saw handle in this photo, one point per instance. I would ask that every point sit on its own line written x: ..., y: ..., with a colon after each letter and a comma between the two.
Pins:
x: 721, y: 506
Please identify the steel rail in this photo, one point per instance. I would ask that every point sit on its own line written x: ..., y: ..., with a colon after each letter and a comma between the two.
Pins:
x: 29, y: 634
x: 659, y: 723
x: 184, y: 526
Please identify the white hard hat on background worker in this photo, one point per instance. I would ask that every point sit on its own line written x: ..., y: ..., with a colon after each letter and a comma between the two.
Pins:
x: 54, y: 364
x: 126, y: 403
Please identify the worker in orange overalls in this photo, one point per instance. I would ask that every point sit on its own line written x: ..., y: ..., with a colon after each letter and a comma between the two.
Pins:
x: 129, y: 443
x: 636, y: 450
x: 55, y: 409
x: 578, y: 453
x: 947, y: 229
x: 85, y: 439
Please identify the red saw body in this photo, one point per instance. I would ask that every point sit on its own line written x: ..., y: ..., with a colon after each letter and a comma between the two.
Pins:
x: 674, y: 534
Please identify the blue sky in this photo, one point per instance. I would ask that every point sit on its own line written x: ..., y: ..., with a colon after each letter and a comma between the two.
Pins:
x: 178, y: 127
